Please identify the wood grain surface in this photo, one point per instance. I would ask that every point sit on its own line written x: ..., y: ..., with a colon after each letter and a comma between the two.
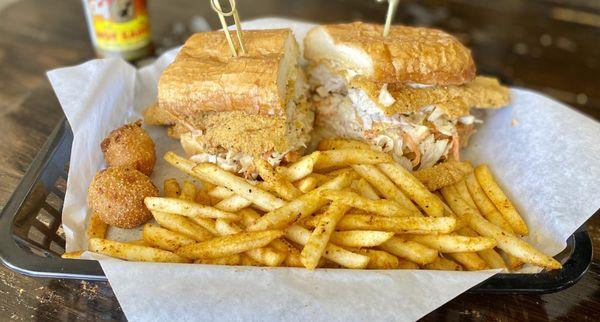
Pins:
x: 549, y: 45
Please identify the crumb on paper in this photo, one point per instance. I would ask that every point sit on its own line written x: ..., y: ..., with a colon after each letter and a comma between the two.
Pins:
x: 514, y: 122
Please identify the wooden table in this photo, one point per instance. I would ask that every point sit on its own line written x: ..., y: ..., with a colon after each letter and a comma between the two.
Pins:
x: 549, y: 45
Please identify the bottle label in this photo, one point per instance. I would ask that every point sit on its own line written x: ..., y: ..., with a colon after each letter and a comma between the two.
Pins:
x: 119, y: 25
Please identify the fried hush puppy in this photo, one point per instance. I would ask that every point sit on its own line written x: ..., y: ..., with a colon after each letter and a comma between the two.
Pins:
x: 117, y: 195
x: 130, y: 146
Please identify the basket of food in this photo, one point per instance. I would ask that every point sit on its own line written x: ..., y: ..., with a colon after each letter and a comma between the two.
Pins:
x: 322, y: 160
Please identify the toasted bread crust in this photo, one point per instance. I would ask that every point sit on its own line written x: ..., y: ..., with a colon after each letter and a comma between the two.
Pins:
x: 456, y: 101
x: 407, y: 55
x: 205, y: 77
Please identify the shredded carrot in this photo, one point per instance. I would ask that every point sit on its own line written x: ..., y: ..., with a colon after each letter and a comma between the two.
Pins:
x: 455, y: 146
x: 410, y: 143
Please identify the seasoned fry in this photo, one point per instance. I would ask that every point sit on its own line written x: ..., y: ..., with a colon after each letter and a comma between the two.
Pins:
x: 379, y: 259
x: 301, y: 168
x: 318, y: 240
x: 443, y: 264
x: 139, y: 242
x: 188, y: 192
x: 183, y: 225
x: 409, y: 250
x: 235, y: 259
x: 360, y: 238
x: 266, y: 255
x: 202, y: 197
x: 96, y: 227
x: 412, y: 225
x: 233, y: 204
x: 332, y: 252
x: 454, y: 243
x: 365, y: 189
x: 72, y: 255
x: 300, y: 207
x: 337, y: 144
x: 247, y: 261
x: 307, y: 184
x: 492, y: 258
x: 443, y: 174
x: 381, y: 207
x: 485, y: 205
x: 133, y: 252
x: 506, y: 241
x: 186, y: 208
x: 463, y: 192
x: 207, y: 223
x: 220, y: 193
x: 386, y: 187
x: 217, y: 176
x: 469, y: 260
x: 276, y: 181
x: 171, y: 188
x: 229, y: 245
x: 406, y: 264
x: 164, y: 238
x: 500, y: 200
x: 346, y: 157
x: 413, y: 188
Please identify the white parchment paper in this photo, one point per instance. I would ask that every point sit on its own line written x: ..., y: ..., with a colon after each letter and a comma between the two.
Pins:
x: 547, y: 161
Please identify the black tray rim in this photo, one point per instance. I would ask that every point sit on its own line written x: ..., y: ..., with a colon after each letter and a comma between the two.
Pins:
x: 27, y: 263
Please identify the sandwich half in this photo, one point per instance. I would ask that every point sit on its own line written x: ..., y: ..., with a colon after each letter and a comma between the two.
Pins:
x: 409, y: 94
x: 229, y: 110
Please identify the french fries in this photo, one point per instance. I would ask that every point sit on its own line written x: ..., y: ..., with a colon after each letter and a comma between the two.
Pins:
x: 188, y: 192
x: 183, y: 225
x: 318, y: 240
x: 365, y: 189
x: 381, y: 207
x: 406, y: 225
x: 500, y: 200
x: 228, y: 245
x: 306, y: 184
x: 443, y: 264
x: 164, y: 238
x: 332, y: 252
x: 171, y: 188
x: 409, y: 250
x: 386, y: 187
x: 72, y: 255
x: 506, y: 241
x: 217, y: 176
x: 186, y: 208
x: 364, y: 211
x: 133, y: 252
x: 96, y: 227
x: 454, y: 243
x: 414, y: 189
x: 234, y: 203
x: 360, y: 238
x: 469, y: 260
x: 379, y: 259
x: 347, y: 157
x: 276, y: 181
x: 300, y: 207
x: 235, y: 259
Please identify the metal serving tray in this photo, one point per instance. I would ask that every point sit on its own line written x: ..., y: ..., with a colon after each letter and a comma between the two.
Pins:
x: 32, y: 239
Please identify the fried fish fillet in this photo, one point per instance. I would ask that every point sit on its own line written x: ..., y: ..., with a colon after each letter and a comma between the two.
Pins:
x: 443, y: 174
x: 456, y: 101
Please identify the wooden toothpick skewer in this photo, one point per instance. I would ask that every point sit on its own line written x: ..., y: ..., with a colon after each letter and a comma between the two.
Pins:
x: 216, y: 6
x: 392, y: 6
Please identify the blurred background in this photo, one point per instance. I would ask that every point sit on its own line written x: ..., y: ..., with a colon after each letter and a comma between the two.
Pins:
x: 549, y: 45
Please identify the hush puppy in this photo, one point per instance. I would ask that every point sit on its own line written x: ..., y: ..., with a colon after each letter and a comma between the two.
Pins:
x: 117, y: 195
x: 130, y: 146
